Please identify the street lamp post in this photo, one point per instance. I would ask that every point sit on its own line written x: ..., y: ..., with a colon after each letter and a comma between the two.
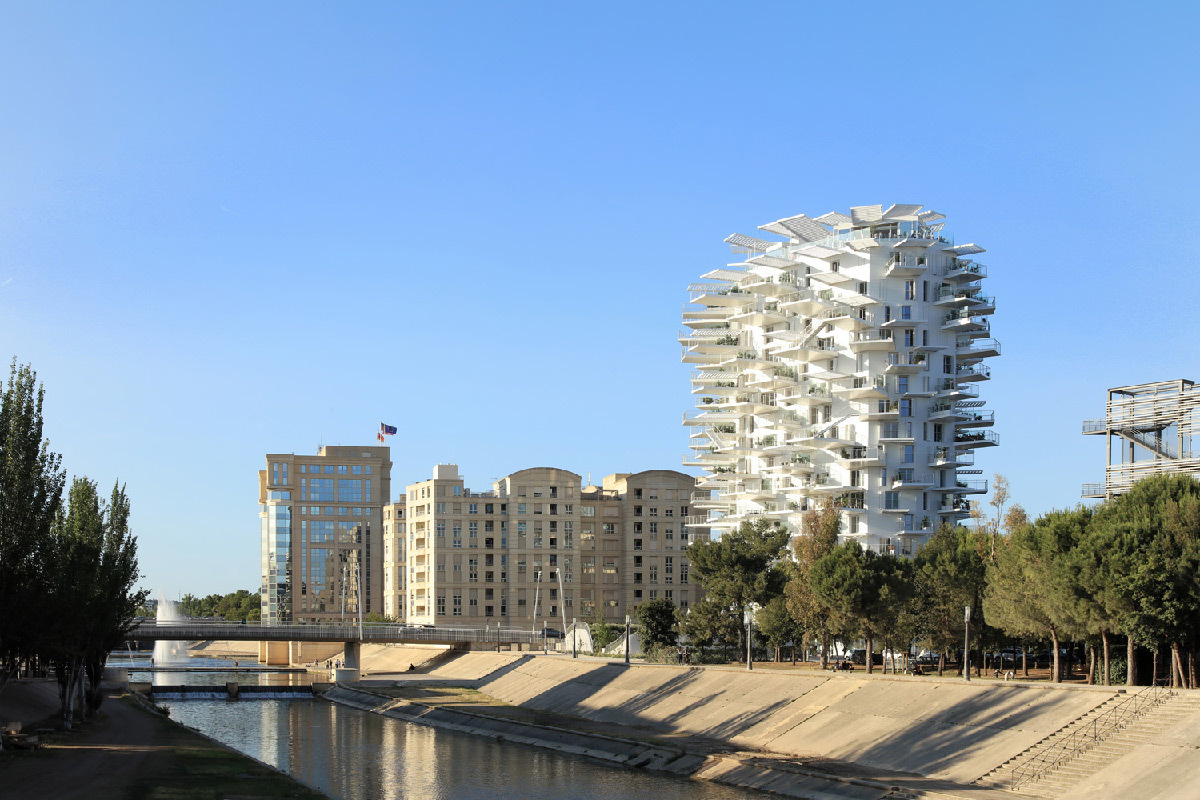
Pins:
x: 574, y: 638
x: 967, y: 644
x: 749, y: 639
x: 626, y: 639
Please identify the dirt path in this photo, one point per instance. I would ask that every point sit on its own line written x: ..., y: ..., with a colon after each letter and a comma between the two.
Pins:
x: 127, y: 752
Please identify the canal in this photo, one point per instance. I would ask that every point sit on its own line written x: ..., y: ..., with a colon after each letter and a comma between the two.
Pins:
x: 355, y: 755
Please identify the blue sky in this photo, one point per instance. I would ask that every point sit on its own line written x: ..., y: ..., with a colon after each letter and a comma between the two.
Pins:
x: 231, y: 229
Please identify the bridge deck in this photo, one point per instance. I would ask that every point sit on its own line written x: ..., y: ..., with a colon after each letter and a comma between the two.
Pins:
x: 382, y: 633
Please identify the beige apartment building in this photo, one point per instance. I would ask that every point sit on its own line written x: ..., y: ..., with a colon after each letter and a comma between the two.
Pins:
x: 538, y: 548
x: 321, y: 520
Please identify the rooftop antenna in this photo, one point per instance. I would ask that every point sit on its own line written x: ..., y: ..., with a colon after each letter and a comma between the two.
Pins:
x: 589, y: 477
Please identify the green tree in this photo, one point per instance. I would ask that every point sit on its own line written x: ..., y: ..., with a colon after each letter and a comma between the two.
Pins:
x: 949, y: 575
x: 1151, y: 540
x: 31, y: 484
x: 864, y: 589
x: 657, y: 621
x: 779, y: 627
x: 741, y: 567
x: 817, y: 539
x: 93, y: 595
x: 709, y: 623
x: 1029, y: 588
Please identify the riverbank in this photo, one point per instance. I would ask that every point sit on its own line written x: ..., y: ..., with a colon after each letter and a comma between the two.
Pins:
x: 847, y: 734
x: 127, y: 751
x: 466, y: 710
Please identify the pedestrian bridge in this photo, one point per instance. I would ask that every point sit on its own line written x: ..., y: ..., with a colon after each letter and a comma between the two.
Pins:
x: 381, y: 633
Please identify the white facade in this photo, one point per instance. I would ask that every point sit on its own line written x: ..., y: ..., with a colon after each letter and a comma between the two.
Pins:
x: 842, y: 363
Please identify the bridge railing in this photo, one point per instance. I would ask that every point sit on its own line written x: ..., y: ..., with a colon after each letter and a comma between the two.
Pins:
x: 334, y: 632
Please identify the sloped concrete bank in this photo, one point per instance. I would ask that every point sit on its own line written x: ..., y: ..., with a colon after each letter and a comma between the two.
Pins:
x: 745, y: 770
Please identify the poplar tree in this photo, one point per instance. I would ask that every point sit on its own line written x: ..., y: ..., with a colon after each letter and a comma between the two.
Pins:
x: 31, y: 483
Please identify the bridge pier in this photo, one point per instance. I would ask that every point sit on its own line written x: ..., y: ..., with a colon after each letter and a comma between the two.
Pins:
x: 274, y: 654
x: 351, y: 656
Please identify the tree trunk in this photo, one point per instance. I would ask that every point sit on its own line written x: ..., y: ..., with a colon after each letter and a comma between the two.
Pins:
x: 1055, y: 675
x: 870, y: 654
x: 824, y: 650
x: 1104, y: 641
x: 1177, y: 677
x: 1025, y: 660
x: 1192, y: 667
x: 1091, y: 663
x: 1130, y: 662
x: 1154, y: 668
x: 941, y: 663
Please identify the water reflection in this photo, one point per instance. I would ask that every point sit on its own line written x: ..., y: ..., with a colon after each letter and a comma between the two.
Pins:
x: 351, y: 754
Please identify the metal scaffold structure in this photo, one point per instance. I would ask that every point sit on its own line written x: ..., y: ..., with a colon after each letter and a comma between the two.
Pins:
x: 1150, y: 429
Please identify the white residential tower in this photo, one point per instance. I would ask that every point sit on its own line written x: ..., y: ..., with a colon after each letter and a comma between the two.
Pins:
x: 842, y: 363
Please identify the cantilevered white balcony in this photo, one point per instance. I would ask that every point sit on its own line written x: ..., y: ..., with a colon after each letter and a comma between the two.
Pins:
x: 970, y: 487
x: 863, y: 388
x: 972, y: 372
x: 976, y: 439
x: 962, y: 321
x: 881, y: 411
x: 905, y: 266
x: 949, y: 458
x: 909, y: 479
x: 906, y: 363
x: 977, y: 419
x: 871, y: 340
x: 963, y: 270
x: 973, y: 349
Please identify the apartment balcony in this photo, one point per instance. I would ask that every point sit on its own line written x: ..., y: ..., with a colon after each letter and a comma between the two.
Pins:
x: 970, y: 487
x: 973, y: 349
x: 859, y: 456
x: 708, y: 458
x: 813, y: 396
x: 899, y: 509
x: 881, y: 411
x: 768, y: 314
x: 978, y: 419
x: 696, y: 521
x: 910, y: 364
x: 903, y: 322
x: 714, y: 417
x: 957, y: 296
x: 705, y: 318
x: 1095, y: 426
x: 832, y: 278
x: 972, y: 372
x: 959, y: 508
x: 716, y: 295
x: 946, y: 411
x: 892, y: 433
x: 863, y: 388
x: 963, y: 321
x: 1093, y: 490
x: 905, y: 266
x: 976, y: 438
x: 925, y: 526
x: 945, y: 458
x: 963, y: 269
x: 872, y: 341
x: 950, y: 389
x: 847, y: 317
x: 907, y: 479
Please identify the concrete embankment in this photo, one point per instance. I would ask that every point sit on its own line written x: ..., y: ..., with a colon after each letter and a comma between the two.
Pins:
x: 921, y: 734
x: 694, y: 759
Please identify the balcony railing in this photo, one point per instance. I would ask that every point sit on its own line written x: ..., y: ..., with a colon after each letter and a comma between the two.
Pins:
x: 968, y: 437
x: 1095, y: 425
x: 974, y: 370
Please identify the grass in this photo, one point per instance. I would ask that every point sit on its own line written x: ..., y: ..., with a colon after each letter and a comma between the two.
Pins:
x: 195, y: 768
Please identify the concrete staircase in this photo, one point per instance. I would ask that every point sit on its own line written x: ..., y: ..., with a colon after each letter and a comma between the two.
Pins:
x: 1146, y: 729
x: 1001, y: 776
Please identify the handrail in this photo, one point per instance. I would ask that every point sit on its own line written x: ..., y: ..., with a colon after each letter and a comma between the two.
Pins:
x: 334, y: 631
x: 1056, y: 753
